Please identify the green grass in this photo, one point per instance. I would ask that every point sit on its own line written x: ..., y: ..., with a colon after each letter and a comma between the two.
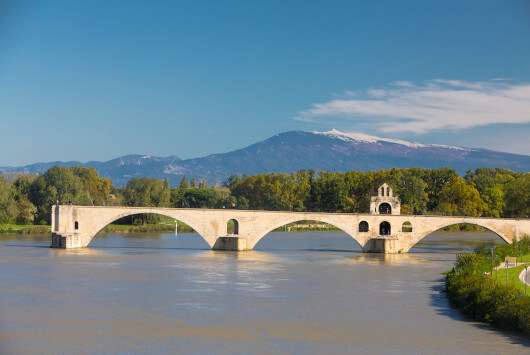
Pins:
x: 513, y: 277
x: 524, y: 259
x: 23, y: 229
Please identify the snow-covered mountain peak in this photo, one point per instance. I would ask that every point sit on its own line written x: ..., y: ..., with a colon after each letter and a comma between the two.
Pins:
x: 365, y: 138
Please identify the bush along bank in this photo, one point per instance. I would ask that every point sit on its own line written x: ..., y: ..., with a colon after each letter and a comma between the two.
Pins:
x: 471, y: 288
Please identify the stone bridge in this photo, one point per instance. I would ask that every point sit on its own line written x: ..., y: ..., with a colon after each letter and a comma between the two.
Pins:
x: 75, y: 226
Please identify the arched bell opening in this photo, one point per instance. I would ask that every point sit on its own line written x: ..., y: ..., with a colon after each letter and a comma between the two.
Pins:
x: 385, y: 208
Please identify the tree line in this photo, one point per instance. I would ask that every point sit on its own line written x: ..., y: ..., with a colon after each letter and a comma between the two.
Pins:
x: 481, y: 192
x: 27, y: 199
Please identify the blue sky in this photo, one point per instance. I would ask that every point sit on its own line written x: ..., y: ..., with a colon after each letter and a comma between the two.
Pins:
x: 94, y: 80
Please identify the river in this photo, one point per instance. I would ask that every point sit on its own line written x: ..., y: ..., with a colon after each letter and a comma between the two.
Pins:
x: 305, y: 292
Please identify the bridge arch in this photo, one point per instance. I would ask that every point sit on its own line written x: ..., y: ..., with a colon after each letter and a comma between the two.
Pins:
x: 420, y: 236
x: 349, y: 229
x: 197, y: 226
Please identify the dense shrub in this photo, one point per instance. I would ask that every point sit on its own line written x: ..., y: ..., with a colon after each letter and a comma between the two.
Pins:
x: 476, y: 294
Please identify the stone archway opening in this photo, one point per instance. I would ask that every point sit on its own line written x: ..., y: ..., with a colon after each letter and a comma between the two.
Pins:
x: 308, y: 235
x: 232, y: 227
x: 384, y: 228
x: 363, y: 227
x: 148, y: 224
x: 385, y: 208
x: 406, y: 227
x: 458, y: 237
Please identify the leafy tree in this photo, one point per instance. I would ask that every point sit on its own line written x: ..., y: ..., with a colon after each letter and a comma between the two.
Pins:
x: 231, y: 202
x: 360, y: 188
x: 41, y: 195
x: 8, y: 207
x: 458, y: 198
x: 184, y: 184
x: 58, y: 183
x: 411, y: 192
x: 68, y: 186
x: 242, y: 203
x: 492, y: 185
x: 436, y: 180
x: 201, y: 198
x: 147, y: 192
x: 97, y: 188
x: 494, y: 199
x: 300, y: 190
x: 517, y: 197
x: 333, y: 192
x: 23, y: 185
x: 26, y: 210
x: 231, y: 181
x: 193, y: 183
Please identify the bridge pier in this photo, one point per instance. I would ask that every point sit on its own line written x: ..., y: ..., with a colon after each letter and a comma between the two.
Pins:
x: 66, y: 241
x: 230, y: 243
x: 387, y: 245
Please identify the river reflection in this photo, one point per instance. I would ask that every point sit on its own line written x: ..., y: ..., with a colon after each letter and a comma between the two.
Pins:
x: 306, y: 292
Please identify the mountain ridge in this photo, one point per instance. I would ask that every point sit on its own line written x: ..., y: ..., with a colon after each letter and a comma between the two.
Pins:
x: 295, y: 150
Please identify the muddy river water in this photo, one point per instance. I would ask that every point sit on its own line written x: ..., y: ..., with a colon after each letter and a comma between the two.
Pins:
x: 297, y: 293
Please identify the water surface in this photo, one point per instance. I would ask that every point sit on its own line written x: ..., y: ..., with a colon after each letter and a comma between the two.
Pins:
x: 299, y: 292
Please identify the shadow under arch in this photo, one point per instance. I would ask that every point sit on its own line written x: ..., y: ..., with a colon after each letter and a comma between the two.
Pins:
x: 277, y: 225
x: 188, y: 221
x: 490, y: 229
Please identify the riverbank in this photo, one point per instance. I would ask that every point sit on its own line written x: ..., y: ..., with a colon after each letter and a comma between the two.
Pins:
x: 497, y: 298
x: 23, y: 229
x: 307, y: 227
x: 159, y: 227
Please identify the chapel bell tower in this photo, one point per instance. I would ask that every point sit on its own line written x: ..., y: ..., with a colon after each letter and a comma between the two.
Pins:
x: 385, y: 202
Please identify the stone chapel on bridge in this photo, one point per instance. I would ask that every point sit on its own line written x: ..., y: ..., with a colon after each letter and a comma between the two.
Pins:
x: 385, y: 202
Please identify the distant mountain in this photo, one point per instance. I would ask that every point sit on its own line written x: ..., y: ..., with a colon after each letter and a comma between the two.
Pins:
x: 296, y: 150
